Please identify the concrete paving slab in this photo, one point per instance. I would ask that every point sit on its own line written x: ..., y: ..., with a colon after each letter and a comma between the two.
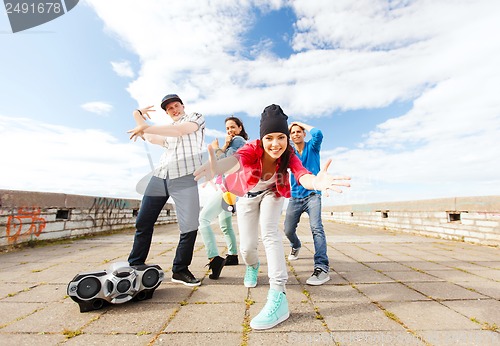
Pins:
x: 433, y: 257
x: 401, y: 258
x: 456, y: 275
x: 489, y: 289
x: 208, y: 318
x: 491, y: 274
x: 168, y: 292
x: 40, y: 294
x: 387, y: 266
x: 367, y: 276
x: 52, y: 318
x: 354, y: 316
x: 362, y: 255
x: 444, y: 290
x: 56, y: 273
x: 109, y: 340
x: 336, y: 255
x: 429, y: 316
x: 336, y: 293
x: 290, y: 338
x: 462, y: 337
x: 387, y: 292
x: 369, y: 338
x: 11, y: 312
x: 489, y: 264
x: 208, y: 339
x: 8, y: 290
x: 31, y: 339
x: 485, y: 312
x: 424, y: 265
x: 220, y: 294
x: 131, y: 318
x: 18, y: 272
x: 469, y: 266
x: 412, y: 276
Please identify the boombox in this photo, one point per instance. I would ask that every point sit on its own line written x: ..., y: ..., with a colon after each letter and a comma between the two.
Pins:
x: 119, y: 284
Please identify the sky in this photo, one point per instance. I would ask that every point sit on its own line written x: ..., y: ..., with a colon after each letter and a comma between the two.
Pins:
x: 405, y: 92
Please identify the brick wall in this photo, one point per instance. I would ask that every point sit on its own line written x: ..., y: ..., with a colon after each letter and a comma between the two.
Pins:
x: 27, y: 216
x: 471, y: 219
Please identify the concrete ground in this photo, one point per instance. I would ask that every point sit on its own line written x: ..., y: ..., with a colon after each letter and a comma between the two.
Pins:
x: 386, y: 289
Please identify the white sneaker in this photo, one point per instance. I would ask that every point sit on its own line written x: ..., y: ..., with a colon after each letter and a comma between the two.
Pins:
x: 294, y: 254
x: 319, y: 277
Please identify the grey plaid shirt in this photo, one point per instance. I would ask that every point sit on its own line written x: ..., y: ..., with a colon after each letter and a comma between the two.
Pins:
x: 183, y: 154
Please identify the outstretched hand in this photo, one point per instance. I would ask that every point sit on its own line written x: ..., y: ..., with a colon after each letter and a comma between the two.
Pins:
x: 138, y: 131
x: 145, y: 111
x: 207, y: 170
x: 325, y: 181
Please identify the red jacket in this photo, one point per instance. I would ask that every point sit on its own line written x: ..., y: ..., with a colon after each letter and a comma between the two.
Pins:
x: 250, y: 159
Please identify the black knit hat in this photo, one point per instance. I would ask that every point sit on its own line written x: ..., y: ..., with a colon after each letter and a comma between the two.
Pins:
x: 169, y: 98
x: 273, y: 120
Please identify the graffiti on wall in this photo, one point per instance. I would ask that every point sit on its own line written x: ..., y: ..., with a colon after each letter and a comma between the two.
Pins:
x: 26, y: 224
x: 106, y: 211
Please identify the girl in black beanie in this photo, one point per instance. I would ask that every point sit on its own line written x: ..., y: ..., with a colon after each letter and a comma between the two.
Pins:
x: 258, y: 173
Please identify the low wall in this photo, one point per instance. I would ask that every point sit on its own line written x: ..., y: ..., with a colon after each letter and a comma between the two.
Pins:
x: 471, y: 219
x: 28, y: 216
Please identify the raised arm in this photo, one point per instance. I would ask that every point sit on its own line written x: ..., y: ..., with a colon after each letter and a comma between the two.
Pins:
x: 214, y: 167
x: 172, y: 130
x: 155, y: 139
x: 161, y: 130
x: 303, y: 125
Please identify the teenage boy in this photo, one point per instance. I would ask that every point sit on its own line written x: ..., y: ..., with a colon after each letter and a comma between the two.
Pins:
x: 183, y: 142
x: 308, y: 201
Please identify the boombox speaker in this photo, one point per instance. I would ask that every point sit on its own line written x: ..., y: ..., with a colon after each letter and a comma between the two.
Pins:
x: 119, y: 284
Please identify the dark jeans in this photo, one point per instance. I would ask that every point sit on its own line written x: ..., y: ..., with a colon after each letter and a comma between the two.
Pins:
x: 151, y: 207
x: 312, y: 206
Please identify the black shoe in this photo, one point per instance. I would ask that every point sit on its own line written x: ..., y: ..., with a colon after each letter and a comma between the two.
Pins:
x: 232, y: 260
x: 185, y: 277
x: 216, y: 264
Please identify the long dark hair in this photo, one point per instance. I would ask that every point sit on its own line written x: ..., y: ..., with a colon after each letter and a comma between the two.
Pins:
x: 238, y: 122
x: 285, y: 159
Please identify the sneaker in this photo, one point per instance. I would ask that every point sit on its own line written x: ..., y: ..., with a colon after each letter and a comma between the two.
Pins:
x: 216, y: 264
x: 294, y: 254
x: 318, y: 277
x: 232, y: 260
x: 274, y: 312
x: 185, y: 277
x: 251, y: 276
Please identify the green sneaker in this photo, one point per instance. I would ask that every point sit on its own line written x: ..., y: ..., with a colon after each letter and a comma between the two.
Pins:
x: 251, y: 276
x: 274, y: 312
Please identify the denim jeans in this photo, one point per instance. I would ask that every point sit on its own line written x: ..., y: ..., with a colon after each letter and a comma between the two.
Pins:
x: 184, y: 192
x: 312, y: 206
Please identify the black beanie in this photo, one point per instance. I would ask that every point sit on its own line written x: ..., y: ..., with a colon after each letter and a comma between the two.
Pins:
x: 273, y: 120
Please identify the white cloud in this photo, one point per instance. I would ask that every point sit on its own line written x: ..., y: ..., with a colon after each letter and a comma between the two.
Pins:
x: 54, y: 158
x: 123, y: 68
x: 215, y: 133
x: 97, y: 107
x: 440, y: 55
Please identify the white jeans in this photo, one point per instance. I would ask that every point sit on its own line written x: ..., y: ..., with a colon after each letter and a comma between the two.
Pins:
x: 263, y: 210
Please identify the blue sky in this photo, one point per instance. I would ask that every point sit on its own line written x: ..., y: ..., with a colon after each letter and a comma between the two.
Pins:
x: 406, y: 92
